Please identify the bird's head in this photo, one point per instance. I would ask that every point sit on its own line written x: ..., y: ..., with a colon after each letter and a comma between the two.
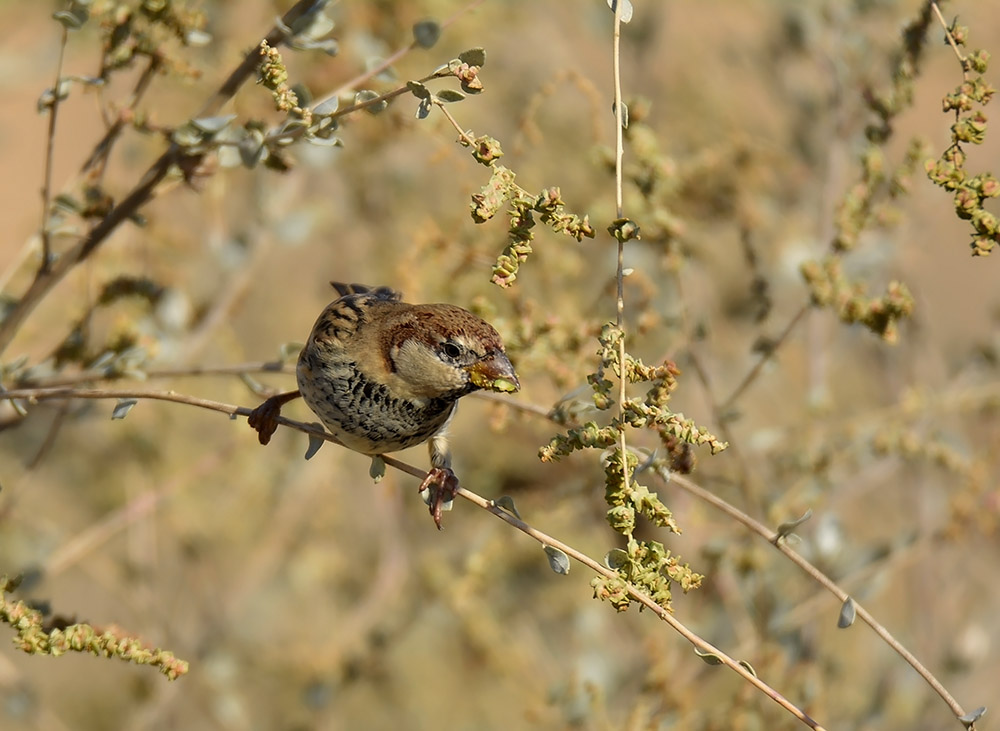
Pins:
x: 444, y: 351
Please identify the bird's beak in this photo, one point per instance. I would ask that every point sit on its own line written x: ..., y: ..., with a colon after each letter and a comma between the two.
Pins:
x: 494, y: 372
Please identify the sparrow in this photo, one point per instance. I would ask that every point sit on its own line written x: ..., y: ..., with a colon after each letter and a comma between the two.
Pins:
x: 383, y: 375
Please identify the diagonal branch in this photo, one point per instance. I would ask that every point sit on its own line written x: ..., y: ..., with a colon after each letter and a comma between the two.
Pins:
x: 704, y: 647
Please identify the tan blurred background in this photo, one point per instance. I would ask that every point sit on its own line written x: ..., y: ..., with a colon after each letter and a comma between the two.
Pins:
x: 306, y: 597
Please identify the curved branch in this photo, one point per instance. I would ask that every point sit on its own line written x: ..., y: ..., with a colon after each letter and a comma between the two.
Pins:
x: 706, y: 648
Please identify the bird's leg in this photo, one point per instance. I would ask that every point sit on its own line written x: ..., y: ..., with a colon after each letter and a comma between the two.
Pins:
x: 264, y: 419
x: 440, y: 484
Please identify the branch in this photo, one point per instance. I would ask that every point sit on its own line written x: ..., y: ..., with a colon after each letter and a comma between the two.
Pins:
x: 776, y: 540
x: 706, y: 649
x: 50, y: 139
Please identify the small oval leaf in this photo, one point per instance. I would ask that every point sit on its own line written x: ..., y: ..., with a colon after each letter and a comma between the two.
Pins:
x: 473, y: 57
x: 377, y: 469
x: 327, y: 107
x: 710, y: 658
x: 418, y: 90
x: 614, y: 110
x: 616, y: 559
x: 626, y: 14
x: 211, y: 125
x: 789, y: 525
x: 426, y: 33
x: 450, y: 95
x: 315, y: 443
x: 122, y: 407
x: 367, y: 95
x: 748, y: 667
x: 72, y: 19
x: 49, y: 97
x: 67, y: 203
x: 322, y: 141
x: 848, y: 613
x: 251, y: 149
x: 558, y: 561
x: 506, y: 502
x: 197, y: 38
x: 972, y: 716
x: 320, y: 26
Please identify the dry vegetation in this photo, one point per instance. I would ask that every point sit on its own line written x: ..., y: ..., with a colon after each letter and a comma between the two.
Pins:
x: 800, y: 289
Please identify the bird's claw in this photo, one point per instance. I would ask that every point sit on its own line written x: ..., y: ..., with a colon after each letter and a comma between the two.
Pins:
x: 264, y: 419
x: 442, y: 486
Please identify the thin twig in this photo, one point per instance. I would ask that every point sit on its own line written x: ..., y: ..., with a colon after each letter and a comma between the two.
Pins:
x: 280, y: 133
x: 400, y: 53
x: 744, y: 471
x: 951, y: 40
x: 371, y: 73
x: 620, y: 271
x: 750, y: 377
x: 462, y: 134
x: 50, y: 140
x: 818, y: 576
x: 102, y: 150
x: 72, y: 379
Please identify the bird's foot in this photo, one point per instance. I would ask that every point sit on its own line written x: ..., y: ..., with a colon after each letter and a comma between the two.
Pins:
x: 441, y: 486
x: 264, y: 419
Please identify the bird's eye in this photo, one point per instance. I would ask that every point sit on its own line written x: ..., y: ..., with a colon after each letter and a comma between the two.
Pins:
x: 450, y: 349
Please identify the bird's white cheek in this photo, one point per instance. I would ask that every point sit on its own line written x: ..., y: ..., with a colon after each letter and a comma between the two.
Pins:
x: 422, y: 372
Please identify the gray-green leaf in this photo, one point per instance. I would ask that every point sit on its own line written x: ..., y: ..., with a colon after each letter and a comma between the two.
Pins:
x: 558, y: 560
x: 710, y: 658
x: 972, y: 716
x: 367, y: 95
x: 327, y: 107
x: 49, y: 97
x: 614, y: 110
x: 450, y: 95
x: 848, y: 613
x: 473, y: 57
x: 626, y: 13
x: 320, y: 140
x: 418, y: 90
x: 122, y: 408
x: 506, y: 502
x: 197, y: 38
x: 212, y: 125
x: 74, y: 18
x: 315, y: 443
x: 615, y: 559
x: 251, y: 148
x: 789, y: 525
x: 426, y: 33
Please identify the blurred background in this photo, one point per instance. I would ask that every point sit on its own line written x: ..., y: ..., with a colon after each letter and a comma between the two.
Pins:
x: 303, y: 595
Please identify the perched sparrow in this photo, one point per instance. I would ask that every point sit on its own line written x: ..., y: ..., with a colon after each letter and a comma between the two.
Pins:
x: 384, y: 375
